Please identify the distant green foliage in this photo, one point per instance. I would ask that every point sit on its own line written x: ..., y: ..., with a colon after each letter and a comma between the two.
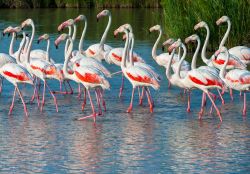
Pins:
x: 182, y: 15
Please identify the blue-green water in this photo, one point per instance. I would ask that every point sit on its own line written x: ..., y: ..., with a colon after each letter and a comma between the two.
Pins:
x: 167, y: 141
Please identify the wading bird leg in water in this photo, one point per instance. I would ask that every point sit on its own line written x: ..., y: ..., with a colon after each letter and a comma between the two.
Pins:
x: 169, y: 84
x: 244, y: 111
x: 231, y: 94
x: 122, y: 85
x: 212, y: 101
x: 149, y: 101
x: 188, y: 107
x: 139, y: 94
x: 215, y: 97
x: 131, y: 101
x: 142, y: 95
x: 79, y: 91
x: 101, y: 92
x: 24, y: 105
x: 54, y: 97
x: 71, y: 90
x: 34, y: 92
x: 1, y: 85
x: 98, y: 102
x: 202, y: 105
x: 93, y: 109
x: 84, y: 100
x: 13, y: 100
x: 221, y: 98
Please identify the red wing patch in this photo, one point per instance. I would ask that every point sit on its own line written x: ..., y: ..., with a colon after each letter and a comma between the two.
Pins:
x: 221, y: 62
x: 232, y: 80
x: 91, y: 52
x: 144, y: 79
x: 88, y: 77
x: 209, y: 82
x: 22, y: 76
x: 118, y: 58
x: 50, y: 71
x: 245, y: 80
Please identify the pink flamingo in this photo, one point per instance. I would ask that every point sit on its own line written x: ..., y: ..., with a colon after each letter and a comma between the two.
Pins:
x: 15, y: 74
x: 40, y: 68
x: 242, y: 52
x: 234, y: 62
x: 98, y: 51
x: 236, y: 79
x: 200, y: 79
x: 138, y: 76
x: 89, y: 76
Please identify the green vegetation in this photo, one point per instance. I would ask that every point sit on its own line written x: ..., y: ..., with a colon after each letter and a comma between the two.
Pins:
x: 182, y: 15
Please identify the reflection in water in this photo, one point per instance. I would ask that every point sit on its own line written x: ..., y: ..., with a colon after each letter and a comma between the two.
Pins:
x: 167, y: 141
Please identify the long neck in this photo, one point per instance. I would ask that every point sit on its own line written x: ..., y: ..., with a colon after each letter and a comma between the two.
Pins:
x: 168, y: 70
x: 26, y: 44
x: 182, y: 59
x: 11, y: 49
x: 67, y: 42
x: 179, y: 53
x: 20, y: 49
x: 154, y: 55
x: 203, y: 52
x: 83, y: 36
x: 223, y: 69
x: 223, y: 41
x: 74, y: 32
x: 48, y: 49
x: 67, y: 56
x: 131, y: 60
x: 194, y: 60
x: 104, y: 36
x: 30, y: 43
x: 123, y: 63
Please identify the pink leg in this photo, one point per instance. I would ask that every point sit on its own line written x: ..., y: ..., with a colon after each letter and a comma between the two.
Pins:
x: 169, y: 84
x: 150, y: 96
x: 101, y: 92
x: 13, y: 100
x: 240, y: 93
x: 142, y: 95
x: 79, y: 91
x: 244, y: 111
x: 43, y: 100
x: 61, y: 86
x: 54, y: 97
x: 98, y: 102
x: 202, y: 105
x: 35, y: 88
x: 84, y: 100
x: 24, y: 105
x: 221, y: 98
x: 1, y: 84
x: 71, y: 90
x: 149, y: 101
x: 122, y: 85
x: 139, y: 94
x: 231, y: 94
x: 217, y: 110
x: 188, y: 107
x: 93, y: 109
x: 131, y: 101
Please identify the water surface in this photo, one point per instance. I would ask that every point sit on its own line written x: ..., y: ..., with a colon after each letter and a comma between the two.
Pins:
x: 166, y: 141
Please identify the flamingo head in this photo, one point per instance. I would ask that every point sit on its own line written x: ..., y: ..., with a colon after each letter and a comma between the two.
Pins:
x: 61, y: 38
x: 170, y: 41
x: 27, y: 22
x: 175, y: 45
x: 124, y: 37
x: 191, y: 38
x: 119, y: 30
x: 43, y: 37
x: 222, y: 20
x: 221, y: 50
x: 102, y: 14
x: 17, y: 29
x: 65, y: 24
x: 128, y: 27
x: 8, y: 30
x: 80, y: 18
x: 200, y: 25
x: 155, y: 28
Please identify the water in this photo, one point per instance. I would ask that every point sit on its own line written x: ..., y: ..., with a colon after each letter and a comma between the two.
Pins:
x: 167, y: 141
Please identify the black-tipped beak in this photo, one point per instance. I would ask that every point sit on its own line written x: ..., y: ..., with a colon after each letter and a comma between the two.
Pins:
x: 38, y: 41
x: 215, y: 57
x: 97, y: 19
x: 27, y: 35
x: 162, y: 48
x: 22, y: 28
x: 56, y: 46
x: 3, y: 34
x: 8, y: 34
x: 59, y: 32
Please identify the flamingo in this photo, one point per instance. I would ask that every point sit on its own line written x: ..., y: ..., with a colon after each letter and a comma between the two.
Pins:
x: 59, y: 66
x: 210, y: 69
x: 40, y: 68
x: 201, y: 79
x: 242, y: 52
x: 98, y: 51
x: 236, y: 79
x: 137, y: 76
x: 234, y: 62
x: 15, y: 74
x: 89, y: 76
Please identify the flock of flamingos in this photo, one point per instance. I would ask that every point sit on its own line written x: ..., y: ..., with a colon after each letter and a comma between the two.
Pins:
x: 224, y: 71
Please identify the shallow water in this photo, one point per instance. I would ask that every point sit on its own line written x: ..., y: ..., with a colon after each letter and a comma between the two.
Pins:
x: 167, y: 141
